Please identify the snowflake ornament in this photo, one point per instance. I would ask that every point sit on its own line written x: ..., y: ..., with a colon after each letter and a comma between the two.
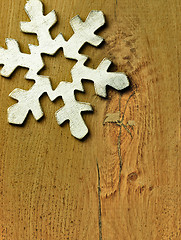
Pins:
x: 12, y: 57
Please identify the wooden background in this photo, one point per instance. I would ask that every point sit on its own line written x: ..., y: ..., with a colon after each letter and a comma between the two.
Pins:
x: 53, y: 186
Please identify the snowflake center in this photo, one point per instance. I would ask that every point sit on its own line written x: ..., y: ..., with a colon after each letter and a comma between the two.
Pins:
x: 58, y: 68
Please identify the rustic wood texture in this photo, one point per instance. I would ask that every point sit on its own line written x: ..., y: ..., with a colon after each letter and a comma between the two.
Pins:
x: 111, y: 185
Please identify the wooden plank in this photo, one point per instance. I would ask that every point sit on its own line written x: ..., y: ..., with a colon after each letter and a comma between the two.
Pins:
x: 53, y: 186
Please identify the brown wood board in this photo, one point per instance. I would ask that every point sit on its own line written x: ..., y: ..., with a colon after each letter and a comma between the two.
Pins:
x: 113, y: 185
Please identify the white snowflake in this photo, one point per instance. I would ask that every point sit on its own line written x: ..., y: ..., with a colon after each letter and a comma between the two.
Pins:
x: 12, y: 57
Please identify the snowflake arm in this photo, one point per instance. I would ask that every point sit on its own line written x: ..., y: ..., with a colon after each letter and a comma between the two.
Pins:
x: 83, y: 32
x: 11, y: 58
x: 28, y: 101
x: 41, y: 25
x: 100, y: 77
x: 72, y: 110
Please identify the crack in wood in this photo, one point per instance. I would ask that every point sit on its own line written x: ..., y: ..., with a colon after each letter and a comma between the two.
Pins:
x: 119, y: 121
x: 120, y: 158
x: 99, y: 199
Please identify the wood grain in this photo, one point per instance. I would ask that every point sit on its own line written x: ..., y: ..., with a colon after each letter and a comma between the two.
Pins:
x: 53, y: 186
